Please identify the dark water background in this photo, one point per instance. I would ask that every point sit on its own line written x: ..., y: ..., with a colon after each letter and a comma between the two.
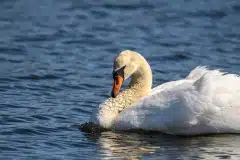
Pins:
x: 55, y: 68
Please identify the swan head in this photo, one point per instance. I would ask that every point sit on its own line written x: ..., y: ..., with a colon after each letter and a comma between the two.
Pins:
x: 124, y: 66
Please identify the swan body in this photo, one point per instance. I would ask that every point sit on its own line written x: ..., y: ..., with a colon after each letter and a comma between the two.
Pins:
x: 206, y: 101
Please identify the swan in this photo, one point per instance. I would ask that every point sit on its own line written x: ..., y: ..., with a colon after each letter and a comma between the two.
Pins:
x: 205, y: 102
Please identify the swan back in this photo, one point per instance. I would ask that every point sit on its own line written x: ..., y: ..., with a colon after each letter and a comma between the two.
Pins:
x: 207, y: 101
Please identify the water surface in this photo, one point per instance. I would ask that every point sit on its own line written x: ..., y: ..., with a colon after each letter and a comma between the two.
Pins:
x: 56, y: 62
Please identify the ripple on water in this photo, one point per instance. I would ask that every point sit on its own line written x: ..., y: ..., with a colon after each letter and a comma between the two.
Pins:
x: 178, y: 56
x: 39, y: 77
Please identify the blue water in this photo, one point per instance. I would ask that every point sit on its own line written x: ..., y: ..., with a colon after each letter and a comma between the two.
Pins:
x: 56, y: 62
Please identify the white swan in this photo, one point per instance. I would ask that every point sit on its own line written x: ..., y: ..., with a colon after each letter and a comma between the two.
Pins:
x: 206, y: 101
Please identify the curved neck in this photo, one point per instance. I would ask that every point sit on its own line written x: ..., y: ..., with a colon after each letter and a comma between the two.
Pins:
x: 139, y: 86
x: 141, y: 79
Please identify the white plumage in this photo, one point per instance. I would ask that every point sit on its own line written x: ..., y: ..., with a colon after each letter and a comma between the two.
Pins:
x: 207, y: 101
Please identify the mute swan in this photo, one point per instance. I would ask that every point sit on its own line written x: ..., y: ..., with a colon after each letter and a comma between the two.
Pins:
x: 206, y: 101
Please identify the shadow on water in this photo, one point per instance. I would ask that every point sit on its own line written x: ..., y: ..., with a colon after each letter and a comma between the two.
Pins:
x: 128, y: 145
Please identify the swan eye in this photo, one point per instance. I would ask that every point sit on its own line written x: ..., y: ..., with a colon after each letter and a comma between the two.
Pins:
x: 114, y: 74
x: 119, y: 72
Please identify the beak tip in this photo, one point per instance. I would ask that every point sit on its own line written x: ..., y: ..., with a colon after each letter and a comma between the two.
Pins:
x: 113, y: 95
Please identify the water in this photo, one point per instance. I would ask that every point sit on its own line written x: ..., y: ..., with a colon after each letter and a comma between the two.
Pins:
x: 55, y: 68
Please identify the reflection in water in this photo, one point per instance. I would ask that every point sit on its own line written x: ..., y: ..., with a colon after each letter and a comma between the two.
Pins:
x: 140, y: 145
x: 125, y: 146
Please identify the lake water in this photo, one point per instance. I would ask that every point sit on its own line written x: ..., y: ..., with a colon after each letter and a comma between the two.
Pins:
x: 56, y: 61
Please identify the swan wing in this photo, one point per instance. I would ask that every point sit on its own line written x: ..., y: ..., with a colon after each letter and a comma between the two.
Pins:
x: 207, y: 101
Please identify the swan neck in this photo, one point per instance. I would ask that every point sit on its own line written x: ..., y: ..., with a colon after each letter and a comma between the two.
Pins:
x: 141, y: 79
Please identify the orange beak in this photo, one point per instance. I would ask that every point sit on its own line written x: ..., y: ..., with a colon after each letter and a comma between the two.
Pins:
x: 117, y: 83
